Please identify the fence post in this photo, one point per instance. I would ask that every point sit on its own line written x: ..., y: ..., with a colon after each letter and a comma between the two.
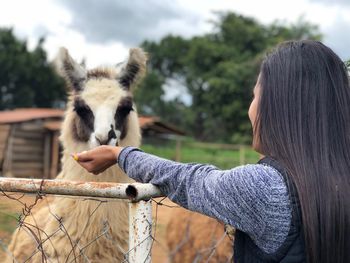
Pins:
x: 140, y: 232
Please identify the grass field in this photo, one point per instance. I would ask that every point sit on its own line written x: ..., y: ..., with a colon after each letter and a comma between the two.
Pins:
x: 204, y: 153
x: 9, y: 213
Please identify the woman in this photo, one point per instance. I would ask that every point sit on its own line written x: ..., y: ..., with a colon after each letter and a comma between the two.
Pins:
x: 294, y: 205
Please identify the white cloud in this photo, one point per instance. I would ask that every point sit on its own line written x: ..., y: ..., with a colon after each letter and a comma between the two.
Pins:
x: 79, y: 49
x: 337, y: 36
x: 129, y: 22
x: 57, y: 22
x: 175, y: 89
x: 332, y: 17
x: 34, y: 19
x: 26, y: 17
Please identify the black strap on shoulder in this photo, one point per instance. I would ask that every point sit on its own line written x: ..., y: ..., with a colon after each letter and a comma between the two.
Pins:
x: 292, y: 191
x: 295, y: 232
x: 292, y: 250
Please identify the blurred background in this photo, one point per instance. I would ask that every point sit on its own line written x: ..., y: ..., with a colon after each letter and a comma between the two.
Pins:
x: 204, y: 57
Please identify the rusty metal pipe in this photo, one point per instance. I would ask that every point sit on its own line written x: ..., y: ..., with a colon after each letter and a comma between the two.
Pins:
x: 140, y: 207
x: 140, y: 232
x: 136, y: 191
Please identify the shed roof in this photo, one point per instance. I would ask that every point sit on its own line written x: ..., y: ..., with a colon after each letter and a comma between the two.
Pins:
x: 155, y: 124
x: 20, y: 115
x: 27, y: 114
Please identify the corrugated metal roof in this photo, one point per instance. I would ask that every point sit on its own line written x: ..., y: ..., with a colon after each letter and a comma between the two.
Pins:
x: 20, y: 115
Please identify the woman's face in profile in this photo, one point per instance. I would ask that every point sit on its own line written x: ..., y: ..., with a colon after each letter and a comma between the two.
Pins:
x: 254, y: 104
x: 253, y: 111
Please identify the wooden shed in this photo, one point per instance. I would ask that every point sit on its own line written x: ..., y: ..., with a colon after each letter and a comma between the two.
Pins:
x: 29, y: 145
x: 153, y: 127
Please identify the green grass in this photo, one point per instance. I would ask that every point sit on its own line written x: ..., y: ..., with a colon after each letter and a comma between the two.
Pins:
x: 8, y: 219
x: 221, y: 158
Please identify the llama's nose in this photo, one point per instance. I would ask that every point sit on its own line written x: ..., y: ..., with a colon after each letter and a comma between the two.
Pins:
x: 111, y: 134
x: 102, y: 140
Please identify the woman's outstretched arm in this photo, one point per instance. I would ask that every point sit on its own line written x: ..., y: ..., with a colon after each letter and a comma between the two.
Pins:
x: 252, y: 198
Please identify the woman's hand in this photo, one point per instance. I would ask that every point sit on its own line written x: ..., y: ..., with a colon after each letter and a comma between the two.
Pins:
x: 98, y: 159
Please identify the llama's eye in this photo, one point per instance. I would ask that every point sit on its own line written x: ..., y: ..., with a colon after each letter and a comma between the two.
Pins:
x: 83, y: 111
x: 125, y: 109
x: 81, y: 108
x: 121, y: 115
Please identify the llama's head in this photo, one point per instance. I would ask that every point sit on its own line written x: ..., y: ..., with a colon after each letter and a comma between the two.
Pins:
x: 100, y: 108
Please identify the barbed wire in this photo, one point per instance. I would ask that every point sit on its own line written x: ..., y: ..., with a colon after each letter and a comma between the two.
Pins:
x: 81, y: 248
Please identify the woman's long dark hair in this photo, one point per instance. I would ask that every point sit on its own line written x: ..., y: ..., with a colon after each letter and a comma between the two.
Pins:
x: 303, y: 122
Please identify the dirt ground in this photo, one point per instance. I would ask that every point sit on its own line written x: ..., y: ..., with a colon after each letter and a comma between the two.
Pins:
x: 10, y: 209
x: 161, y: 215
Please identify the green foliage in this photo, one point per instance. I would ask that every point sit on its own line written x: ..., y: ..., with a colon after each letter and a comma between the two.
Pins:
x: 347, y: 63
x: 219, y: 71
x: 150, y: 93
x: 26, y: 78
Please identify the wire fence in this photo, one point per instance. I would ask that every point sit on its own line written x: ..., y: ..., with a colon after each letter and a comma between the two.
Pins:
x: 61, y: 221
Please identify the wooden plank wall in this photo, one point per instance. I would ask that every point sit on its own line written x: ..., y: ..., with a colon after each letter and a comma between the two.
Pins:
x: 28, y: 139
x: 4, y: 134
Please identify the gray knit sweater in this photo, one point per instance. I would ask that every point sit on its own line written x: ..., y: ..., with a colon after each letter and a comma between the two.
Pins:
x: 253, y: 198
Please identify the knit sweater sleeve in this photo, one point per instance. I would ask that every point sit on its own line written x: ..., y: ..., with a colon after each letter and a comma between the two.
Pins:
x: 251, y: 198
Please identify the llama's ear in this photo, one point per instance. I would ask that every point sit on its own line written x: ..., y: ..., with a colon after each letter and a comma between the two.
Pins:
x: 74, y: 73
x: 134, y: 69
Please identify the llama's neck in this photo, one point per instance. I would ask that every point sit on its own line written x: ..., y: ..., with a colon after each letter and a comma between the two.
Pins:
x: 72, y: 171
x: 84, y: 218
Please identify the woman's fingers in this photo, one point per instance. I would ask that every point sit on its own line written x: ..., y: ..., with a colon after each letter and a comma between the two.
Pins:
x: 84, y: 156
x: 94, y: 166
x: 98, y: 159
x: 88, y: 166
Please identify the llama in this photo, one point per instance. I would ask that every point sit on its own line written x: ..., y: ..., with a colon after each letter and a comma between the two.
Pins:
x: 192, y: 237
x: 100, y: 111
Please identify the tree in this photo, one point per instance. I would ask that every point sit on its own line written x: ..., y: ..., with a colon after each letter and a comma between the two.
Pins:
x: 219, y: 71
x: 347, y: 63
x: 26, y: 78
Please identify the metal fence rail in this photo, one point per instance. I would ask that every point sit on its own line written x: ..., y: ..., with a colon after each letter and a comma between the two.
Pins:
x: 140, y: 208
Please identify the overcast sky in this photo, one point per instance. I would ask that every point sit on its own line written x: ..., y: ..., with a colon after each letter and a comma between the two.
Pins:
x: 103, y: 30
